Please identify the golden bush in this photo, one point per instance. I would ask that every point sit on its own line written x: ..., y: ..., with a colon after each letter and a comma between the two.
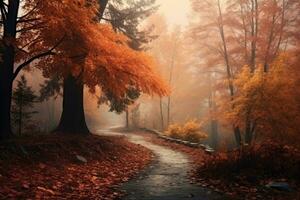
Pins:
x: 175, y: 131
x: 190, y: 131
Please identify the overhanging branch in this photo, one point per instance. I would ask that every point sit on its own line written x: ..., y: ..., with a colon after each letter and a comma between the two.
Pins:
x: 47, y: 53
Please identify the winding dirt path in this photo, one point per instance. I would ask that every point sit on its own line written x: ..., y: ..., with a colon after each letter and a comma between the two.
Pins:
x: 166, y: 178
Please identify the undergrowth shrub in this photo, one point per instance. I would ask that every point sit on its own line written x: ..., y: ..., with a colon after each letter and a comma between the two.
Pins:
x: 268, y: 159
x: 190, y: 131
x: 175, y: 131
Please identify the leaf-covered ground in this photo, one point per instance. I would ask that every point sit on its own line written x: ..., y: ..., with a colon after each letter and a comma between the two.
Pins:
x: 269, y: 163
x: 47, y: 167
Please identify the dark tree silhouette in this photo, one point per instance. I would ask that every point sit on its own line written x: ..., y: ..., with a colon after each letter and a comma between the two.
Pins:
x: 23, y: 102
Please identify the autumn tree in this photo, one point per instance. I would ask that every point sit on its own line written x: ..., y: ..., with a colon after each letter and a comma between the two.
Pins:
x: 103, y: 60
x: 124, y: 18
x: 174, y: 61
x: 215, y: 29
x: 271, y: 99
x: 245, y: 33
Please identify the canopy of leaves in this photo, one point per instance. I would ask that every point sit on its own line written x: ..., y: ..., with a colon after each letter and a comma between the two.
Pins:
x: 91, y: 51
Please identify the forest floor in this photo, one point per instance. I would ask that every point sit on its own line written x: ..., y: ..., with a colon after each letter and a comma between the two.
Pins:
x: 218, y: 174
x: 68, y: 167
x: 129, y: 166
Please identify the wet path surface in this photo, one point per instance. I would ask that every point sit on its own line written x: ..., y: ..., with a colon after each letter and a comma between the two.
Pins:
x: 166, y: 178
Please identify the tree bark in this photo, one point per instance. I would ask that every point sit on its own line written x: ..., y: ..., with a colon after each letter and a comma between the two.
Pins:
x: 7, y: 67
x: 5, y: 102
x: 103, y: 5
x: 73, y: 118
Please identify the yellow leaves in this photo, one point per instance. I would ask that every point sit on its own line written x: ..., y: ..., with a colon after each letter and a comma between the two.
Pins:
x: 266, y: 98
x: 174, y: 131
x: 190, y: 131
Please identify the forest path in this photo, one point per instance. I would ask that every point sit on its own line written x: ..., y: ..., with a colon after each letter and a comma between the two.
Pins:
x: 166, y: 178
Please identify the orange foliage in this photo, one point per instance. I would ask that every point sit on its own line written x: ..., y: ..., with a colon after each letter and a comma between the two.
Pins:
x: 109, y: 164
x: 92, y: 51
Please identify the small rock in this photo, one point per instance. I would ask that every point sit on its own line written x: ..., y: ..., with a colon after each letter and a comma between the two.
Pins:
x: 191, y: 195
x: 81, y: 159
x: 209, y: 150
x: 24, y: 151
x: 46, y: 190
x: 282, y: 186
x: 25, y: 186
x: 42, y: 166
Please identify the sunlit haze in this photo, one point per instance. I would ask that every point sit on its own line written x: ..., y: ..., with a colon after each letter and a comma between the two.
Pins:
x: 176, y: 12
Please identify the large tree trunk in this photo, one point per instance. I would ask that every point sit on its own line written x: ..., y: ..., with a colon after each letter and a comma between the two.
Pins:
x: 7, y: 67
x: 5, y: 101
x: 72, y: 118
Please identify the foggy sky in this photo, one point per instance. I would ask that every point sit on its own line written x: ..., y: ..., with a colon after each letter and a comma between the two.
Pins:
x: 175, y: 11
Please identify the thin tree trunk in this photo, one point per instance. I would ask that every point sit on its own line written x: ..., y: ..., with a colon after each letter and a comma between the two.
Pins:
x: 127, y: 119
x: 254, y: 34
x: 7, y: 67
x: 168, y: 110
x: 73, y: 118
x: 248, y: 133
x: 245, y: 33
x: 236, y: 129
x: 282, y: 25
x: 213, y: 109
x: 161, y: 114
x: 214, y: 133
x: 20, y: 115
x: 270, y: 40
x: 170, y: 82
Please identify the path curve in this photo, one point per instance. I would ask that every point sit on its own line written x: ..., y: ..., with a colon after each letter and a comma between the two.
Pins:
x: 166, y: 178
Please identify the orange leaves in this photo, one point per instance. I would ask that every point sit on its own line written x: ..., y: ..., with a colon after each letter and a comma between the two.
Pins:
x: 49, y: 172
x: 94, y: 51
